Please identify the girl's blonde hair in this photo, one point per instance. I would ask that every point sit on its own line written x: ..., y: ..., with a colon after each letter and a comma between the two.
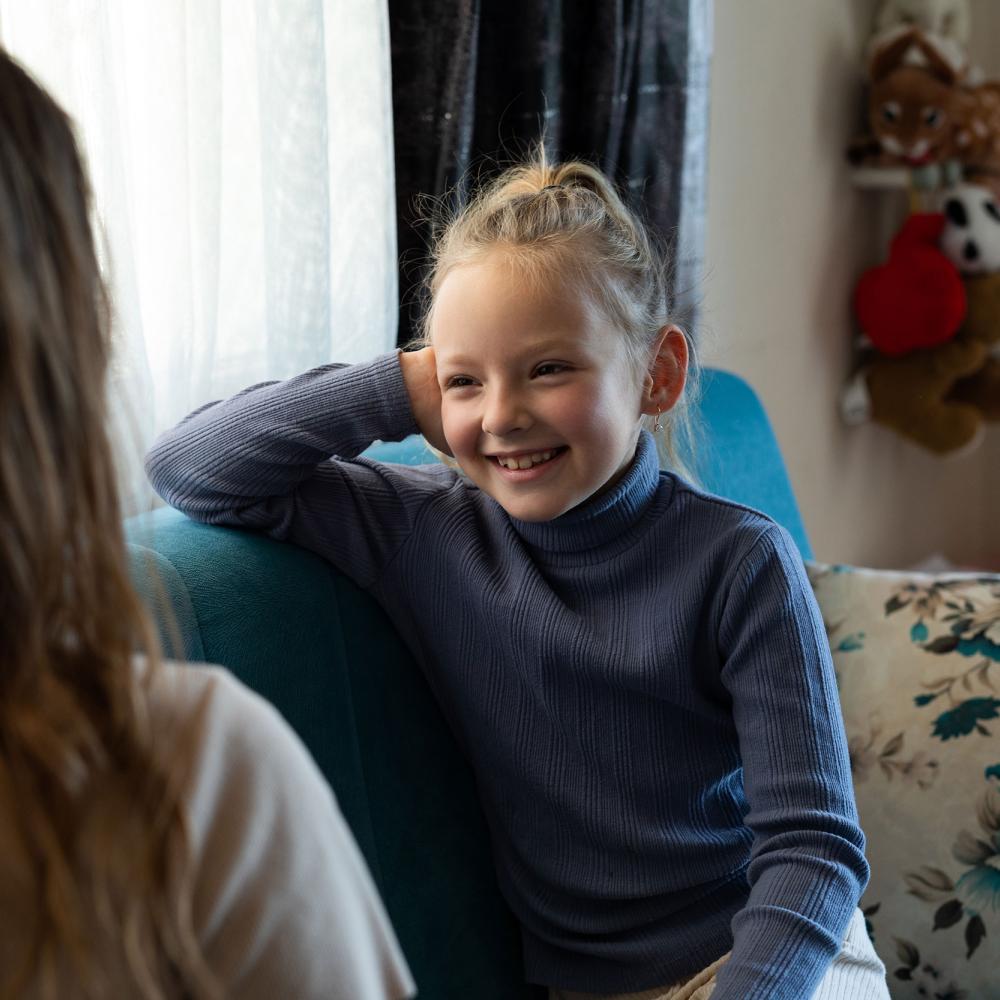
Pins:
x: 97, y: 807
x: 566, y: 220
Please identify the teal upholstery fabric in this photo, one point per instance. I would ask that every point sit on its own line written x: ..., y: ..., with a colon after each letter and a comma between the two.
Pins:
x: 739, y: 456
x: 164, y: 590
x: 307, y: 639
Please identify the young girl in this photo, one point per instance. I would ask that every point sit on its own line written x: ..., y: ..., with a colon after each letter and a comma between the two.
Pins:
x: 635, y: 668
x: 163, y: 833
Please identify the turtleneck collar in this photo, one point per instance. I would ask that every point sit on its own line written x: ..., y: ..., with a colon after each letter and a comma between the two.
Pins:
x: 606, y: 524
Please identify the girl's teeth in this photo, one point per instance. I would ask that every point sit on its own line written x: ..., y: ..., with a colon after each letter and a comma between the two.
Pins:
x: 526, y: 461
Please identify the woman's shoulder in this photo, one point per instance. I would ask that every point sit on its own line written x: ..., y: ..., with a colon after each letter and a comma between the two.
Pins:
x: 212, y: 706
x: 239, y: 744
x: 181, y: 688
x: 233, y: 744
x: 274, y: 858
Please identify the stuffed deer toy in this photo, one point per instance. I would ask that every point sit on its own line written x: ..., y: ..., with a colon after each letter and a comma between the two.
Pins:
x: 922, y: 114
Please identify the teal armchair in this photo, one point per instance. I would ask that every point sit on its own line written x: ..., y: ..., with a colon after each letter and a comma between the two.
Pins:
x: 297, y: 631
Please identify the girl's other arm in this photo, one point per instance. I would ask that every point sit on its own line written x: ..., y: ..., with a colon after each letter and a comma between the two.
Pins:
x: 808, y: 868
x: 281, y: 458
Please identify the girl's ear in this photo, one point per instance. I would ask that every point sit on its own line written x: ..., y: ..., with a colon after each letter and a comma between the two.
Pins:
x: 667, y: 374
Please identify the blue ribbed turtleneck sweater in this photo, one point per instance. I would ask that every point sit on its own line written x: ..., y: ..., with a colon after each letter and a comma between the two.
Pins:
x: 643, y: 685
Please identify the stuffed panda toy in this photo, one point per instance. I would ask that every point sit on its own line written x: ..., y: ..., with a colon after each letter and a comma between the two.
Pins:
x: 971, y: 237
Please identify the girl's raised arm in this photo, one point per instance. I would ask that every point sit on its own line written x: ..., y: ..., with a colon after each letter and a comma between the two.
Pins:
x: 282, y: 458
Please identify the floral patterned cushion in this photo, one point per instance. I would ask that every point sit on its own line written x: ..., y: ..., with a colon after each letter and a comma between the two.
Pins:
x: 918, y: 664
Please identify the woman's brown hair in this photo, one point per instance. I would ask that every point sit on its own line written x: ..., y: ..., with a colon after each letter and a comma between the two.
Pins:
x: 97, y: 806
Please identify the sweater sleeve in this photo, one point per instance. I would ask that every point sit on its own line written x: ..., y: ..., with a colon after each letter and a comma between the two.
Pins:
x: 807, y: 868
x: 281, y: 458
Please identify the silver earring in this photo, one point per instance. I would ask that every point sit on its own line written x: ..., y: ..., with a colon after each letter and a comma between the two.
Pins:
x: 656, y: 422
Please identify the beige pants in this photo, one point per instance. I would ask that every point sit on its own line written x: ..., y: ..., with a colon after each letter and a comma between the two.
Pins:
x: 857, y: 973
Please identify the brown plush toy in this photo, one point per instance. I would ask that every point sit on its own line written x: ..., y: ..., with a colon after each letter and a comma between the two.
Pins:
x: 926, y: 114
x: 982, y: 325
x: 940, y: 397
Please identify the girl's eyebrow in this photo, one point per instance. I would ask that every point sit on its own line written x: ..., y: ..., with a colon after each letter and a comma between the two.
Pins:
x: 556, y: 345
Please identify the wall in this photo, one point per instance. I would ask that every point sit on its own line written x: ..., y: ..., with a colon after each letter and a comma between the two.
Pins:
x: 787, y: 237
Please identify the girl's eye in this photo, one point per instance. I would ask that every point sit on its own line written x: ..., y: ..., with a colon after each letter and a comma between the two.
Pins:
x: 458, y: 382
x: 550, y: 368
x: 932, y: 117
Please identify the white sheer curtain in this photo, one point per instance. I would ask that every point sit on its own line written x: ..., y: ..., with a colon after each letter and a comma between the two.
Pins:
x: 241, y: 158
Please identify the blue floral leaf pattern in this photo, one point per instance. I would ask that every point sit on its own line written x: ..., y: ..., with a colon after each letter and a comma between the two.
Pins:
x: 980, y: 887
x: 965, y: 718
x: 978, y: 646
x: 902, y: 644
x: 851, y: 643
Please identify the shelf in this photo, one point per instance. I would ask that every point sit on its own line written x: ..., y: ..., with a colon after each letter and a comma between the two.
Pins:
x: 881, y: 178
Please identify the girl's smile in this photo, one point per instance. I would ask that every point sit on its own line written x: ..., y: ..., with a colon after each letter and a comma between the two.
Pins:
x: 527, y: 466
x: 540, y: 403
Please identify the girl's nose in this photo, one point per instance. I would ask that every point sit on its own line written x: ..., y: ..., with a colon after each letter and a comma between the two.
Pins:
x: 504, y: 414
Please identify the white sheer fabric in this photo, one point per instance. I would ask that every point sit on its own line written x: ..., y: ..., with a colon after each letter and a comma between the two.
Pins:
x: 241, y: 157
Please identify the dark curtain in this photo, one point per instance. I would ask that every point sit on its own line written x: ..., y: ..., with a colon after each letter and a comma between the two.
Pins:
x: 621, y: 83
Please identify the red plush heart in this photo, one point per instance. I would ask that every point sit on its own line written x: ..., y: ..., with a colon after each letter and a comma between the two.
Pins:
x: 916, y: 300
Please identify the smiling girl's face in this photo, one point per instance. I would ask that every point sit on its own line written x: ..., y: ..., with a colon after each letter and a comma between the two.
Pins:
x: 541, y: 403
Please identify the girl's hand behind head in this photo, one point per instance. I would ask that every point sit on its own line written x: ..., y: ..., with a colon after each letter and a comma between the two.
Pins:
x: 420, y: 376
